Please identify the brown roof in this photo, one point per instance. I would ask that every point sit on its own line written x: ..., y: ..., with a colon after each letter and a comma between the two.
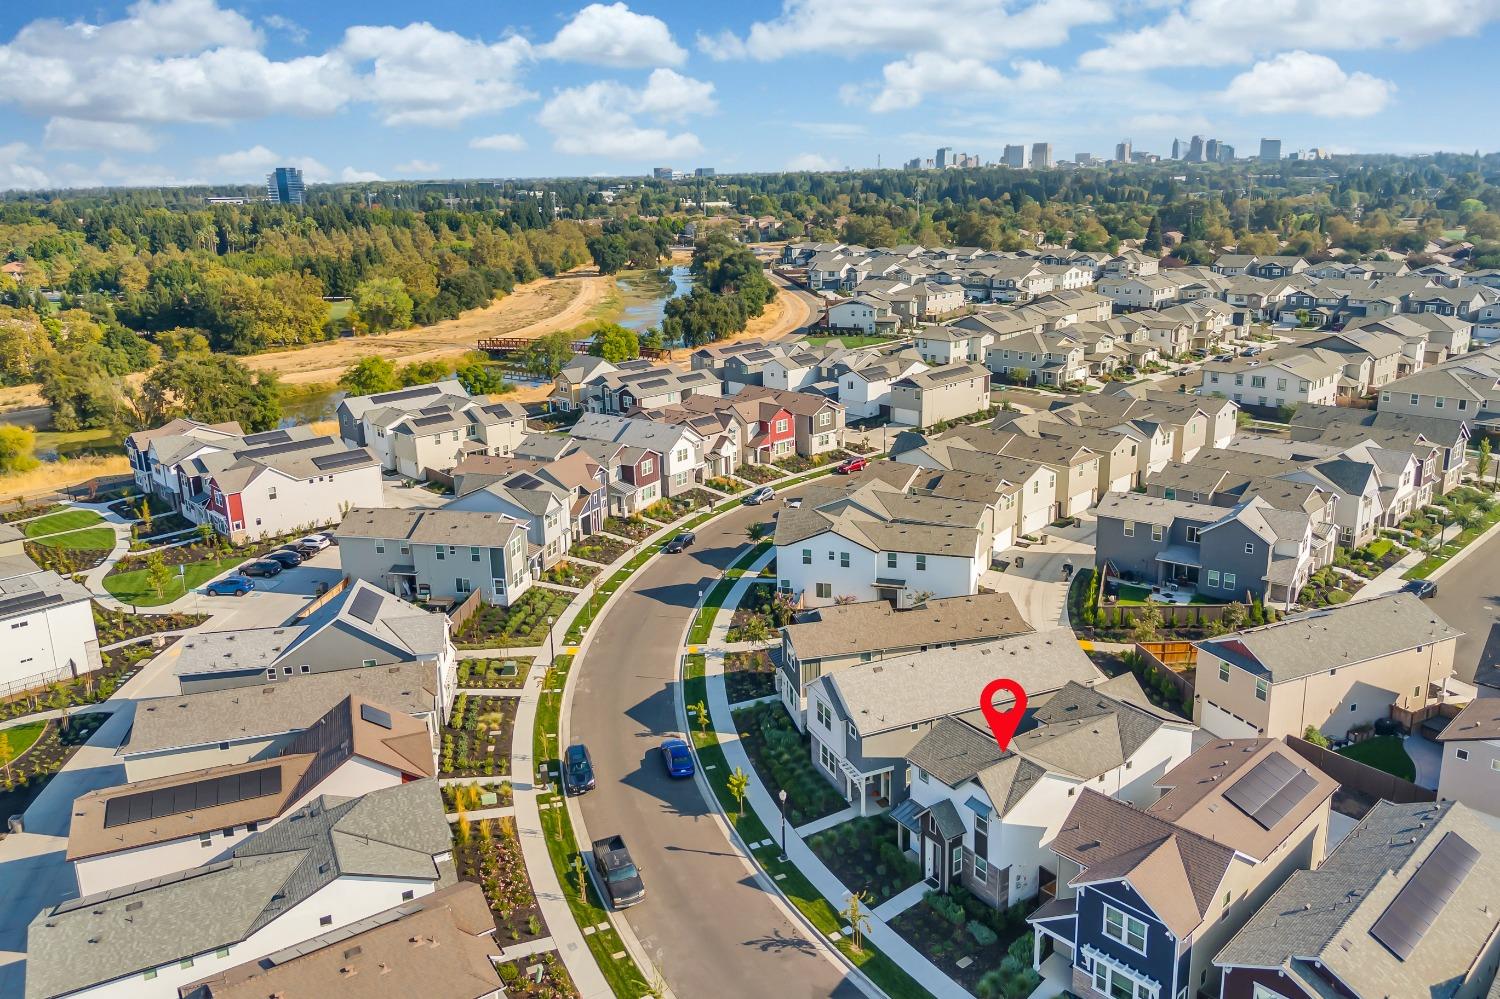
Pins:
x: 1196, y: 788
x: 1479, y: 720
x: 876, y: 625
x: 799, y: 403
x: 346, y: 731
x: 437, y: 947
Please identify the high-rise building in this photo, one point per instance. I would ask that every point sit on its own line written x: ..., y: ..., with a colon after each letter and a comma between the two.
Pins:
x: 661, y: 173
x: 1177, y: 149
x: 1226, y: 153
x: 1015, y: 156
x: 915, y: 163
x: 1041, y: 156
x: 703, y: 172
x: 1085, y: 159
x: 1195, y: 149
x: 1122, y: 151
x: 1270, y: 149
x: 944, y: 157
x: 284, y: 186
x: 1211, y: 151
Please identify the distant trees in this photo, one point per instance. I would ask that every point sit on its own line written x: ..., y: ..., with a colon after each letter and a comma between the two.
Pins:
x: 615, y: 343
x: 479, y: 378
x: 423, y: 372
x: 381, y: 304
x: 213, y: 389
x: 730, y: 290
x: 609, y: 252
x: 17, y: 449
x: 368, y: 376
x: 545, y: 356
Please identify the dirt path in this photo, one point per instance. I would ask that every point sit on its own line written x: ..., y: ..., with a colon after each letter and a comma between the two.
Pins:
x: 531, y: 311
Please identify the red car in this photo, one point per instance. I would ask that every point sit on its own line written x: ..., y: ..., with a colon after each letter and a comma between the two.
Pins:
x: 851, y: 465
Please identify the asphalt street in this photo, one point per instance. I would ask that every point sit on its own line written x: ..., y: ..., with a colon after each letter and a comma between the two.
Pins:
x: 706, y: 923
x: 1469, y: 599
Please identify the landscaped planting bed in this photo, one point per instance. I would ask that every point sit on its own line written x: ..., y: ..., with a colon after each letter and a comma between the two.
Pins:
x: 670, y: 508
x: 748, y: 675
x: 949, y: 928
x: 782, y: 758
x: 601, y: 548
x: 574, y: 574
x: 508, y: 673
x: 799, y: 463
x: 18, y: 739
x: 130, y: 581
x: 727, y: 484
x: 523, y: 623
x: 67, y: 561
x: 761, y: 474
x: 540, y: 976
x: 862, y: 853
x: 634, y: 527
x: 759, y: 614
x: 24, y: 779
x: 172, y: 527
x: 476, y: 740
x: 475, y: 797
x: 487, y: 853
x: 119, y: 626
x: 1325, y: 588
x: 25, y: 511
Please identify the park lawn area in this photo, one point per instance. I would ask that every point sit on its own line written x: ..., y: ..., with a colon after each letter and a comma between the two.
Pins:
x: 19, y: 739
x: 1384, y: 752
x: 66, y: 520
x: 88, y: 539
x: 850, y: 341
x: 134, y: 587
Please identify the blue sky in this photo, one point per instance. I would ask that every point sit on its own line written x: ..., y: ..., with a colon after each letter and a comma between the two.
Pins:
x: 171, y: 91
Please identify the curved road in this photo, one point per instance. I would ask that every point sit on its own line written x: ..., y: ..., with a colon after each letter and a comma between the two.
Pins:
x: 712, y: 930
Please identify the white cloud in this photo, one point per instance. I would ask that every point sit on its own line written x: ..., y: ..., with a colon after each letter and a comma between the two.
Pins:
x: 294, y: 32
x: 600, y: 118
x: 851, y: 27
x: 812, y: 162
x: 246, y: 165
x: 18, y: 170
x: 421, y: 75
x: 75, y: 133
x: 1305, y: 83
x: 349, y: 175
x: 1214, y: 32
x: 422, y: 168
x: 504, y: 142
x: 909, y: 80
x: 614, y: 35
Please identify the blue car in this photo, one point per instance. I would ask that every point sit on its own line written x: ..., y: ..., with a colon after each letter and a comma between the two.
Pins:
x: 677, y: 758
x: 230, y: 586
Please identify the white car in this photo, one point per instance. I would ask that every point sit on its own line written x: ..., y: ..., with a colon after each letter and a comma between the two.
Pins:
x: 314, y: 542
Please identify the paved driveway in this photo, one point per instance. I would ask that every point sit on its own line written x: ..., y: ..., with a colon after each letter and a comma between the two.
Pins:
x: 1037, y: 586
x: 708, y: 925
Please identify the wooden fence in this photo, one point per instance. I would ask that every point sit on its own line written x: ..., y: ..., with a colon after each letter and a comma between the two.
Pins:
x: 1412, y: 720
x: 1167, y: 661
x: 319, y: 601
x: 1365, y: 781
x: 458, y: 615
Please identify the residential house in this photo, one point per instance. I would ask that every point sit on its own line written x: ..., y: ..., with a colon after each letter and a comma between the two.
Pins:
x: 559, y: 499
x: 761, y: 428
x: 864, y: 383
x: 1131, y: 293
x: 620, y: 391
x: 1447, y: 439
x: 1291, y: 380
x: 817, y: 421
x: 1463, y: 388
x: 834, y: 637
x: 1041, y: 358
x: 1403, y: 907
x: 1146, y: 897
x: 146, y: 829
x: 361, y: 626
x: 681, y: 448
x: 982, y: 817
x: 155, y: 471
x: 278, y: 489
x: 444, y: 554
x: 1249, y: 552
x: 863, y: 722
x: 633, y: 474
x: 439, y: 946
x: 335, y: 863
x: 950, y: 344
x: 351, y: 410
x: 1027, y: 489
x: 940, y: 395
x: 48, y: 621
x: 1471, y: 756
x: 864, y: 314
x: 190, y: 732
x: 568, y: 386
x: 1370, y: 656
x: 434, y: 439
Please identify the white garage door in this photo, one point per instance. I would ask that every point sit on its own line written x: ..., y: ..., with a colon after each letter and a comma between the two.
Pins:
x: 910, y: 417
x: 1224, y: 724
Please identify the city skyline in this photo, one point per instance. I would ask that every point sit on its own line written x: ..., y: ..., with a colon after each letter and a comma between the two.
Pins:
x: 177, y: 91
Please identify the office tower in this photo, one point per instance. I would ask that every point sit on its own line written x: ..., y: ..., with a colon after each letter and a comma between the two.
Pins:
x: 1122, y: 151
x: 1195, y: 149
x: 284, y: 186
x: 1226, y: 153
x: 1270, y: 149
x: 662, y: 173
x: 703, y: 172
x: 1041, y: 156
x: 944, y: 157
x: 915, y: 163
x: 1211, y: 151
x: 1177, y: 149
x: 1015, y: 156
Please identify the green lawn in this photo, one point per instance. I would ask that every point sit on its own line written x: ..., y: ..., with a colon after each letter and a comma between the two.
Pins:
x: 1384, y: 752
x: 1455, y: 544
x: 18, y: 739
x: 90, y: 538
x: 134, y: 587
x: 1139, y: 596
x: 850, y: 341
x: 67, y: 520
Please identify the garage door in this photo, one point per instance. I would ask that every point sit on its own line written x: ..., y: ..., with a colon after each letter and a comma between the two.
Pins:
x: 910, y: 417
x: 1225, y: 724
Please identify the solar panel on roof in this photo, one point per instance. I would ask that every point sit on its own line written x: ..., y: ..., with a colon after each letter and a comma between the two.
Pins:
x: 28, y: 601
x: 1416, y: 907
x: 183, y: 798
x: 524, y: 481
x: 326, y: 461
x: 366, y: 606
x: 410, y: 393
x: 268, y: 437
x: 1270, y: 790
x: 375, y: 716
x: 427, y: 421
x: 287, y: 447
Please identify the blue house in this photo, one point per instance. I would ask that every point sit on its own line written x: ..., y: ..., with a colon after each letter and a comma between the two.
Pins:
x: 1145, y: 898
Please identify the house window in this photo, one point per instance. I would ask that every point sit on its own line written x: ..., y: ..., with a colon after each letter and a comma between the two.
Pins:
x: 1130, y: 528
x: 1124, y: 928
x: 825, y: 715
x: 271, y: 493
x: 1262, y: 689
x: 439, y: 551
x: 1259, y: 991
x: 824, y: 419
x: 222, y: 952
x: 380, y: 548
x: 1228, y: 580
x: 958, y: 861
x: 1223, y: 672
x: 1495, y: 764
x: 981, y: 868
x: 148, y: 974
x: 473, y: 554
x: 1414, y: 398
x: 825, y: 591
x: 369, y: 662
x: 1462, y: 754
x: 890, y: 560
x: 1157, y: 532
x: 271, y: 673
x: 1438, y: 402
x: 1213, y: 577
x: 186, y: 962
x: 826, y: 757
x: 781, y: 426
x: 843, y: 560
x: 921, y: 563
x: 205, y: 839
x: 807, y: 556
x: 325, y: 920
x: 1249, y: 547
x: 1192, y: 535
x: 461, y: 586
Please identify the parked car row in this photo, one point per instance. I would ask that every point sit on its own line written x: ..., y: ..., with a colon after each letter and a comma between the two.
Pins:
x: 272, y: 564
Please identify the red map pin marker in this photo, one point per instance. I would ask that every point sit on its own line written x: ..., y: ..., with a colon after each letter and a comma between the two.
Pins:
x: 1003, y: 723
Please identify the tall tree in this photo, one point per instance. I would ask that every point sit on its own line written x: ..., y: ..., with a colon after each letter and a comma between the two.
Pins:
x: 213, y: 389
x: 368, y: 376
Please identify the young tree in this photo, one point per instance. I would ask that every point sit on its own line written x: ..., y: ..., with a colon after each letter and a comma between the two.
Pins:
x: 858, y: 918
x: 756, y: 629
x: 17, y: 449
x: 145, y: 513
x: 1482, y: 464
x: 739, y: 785
x: 368, y: 376
x: 1233, y: 616
x: 701, y: 710
x: 1147, y: 624
x: 581, y: 876
x: 158, y: 573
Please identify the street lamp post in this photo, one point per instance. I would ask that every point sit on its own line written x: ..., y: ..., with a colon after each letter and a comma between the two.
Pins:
x: 781, y: 797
